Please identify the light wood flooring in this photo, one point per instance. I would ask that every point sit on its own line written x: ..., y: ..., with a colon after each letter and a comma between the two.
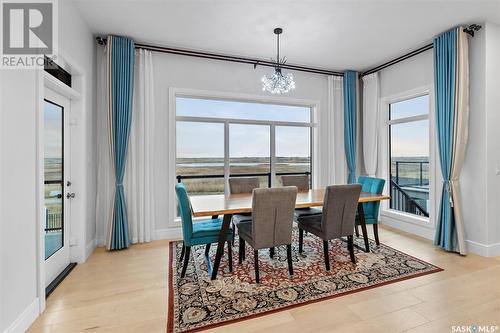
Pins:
x: 126, y: 291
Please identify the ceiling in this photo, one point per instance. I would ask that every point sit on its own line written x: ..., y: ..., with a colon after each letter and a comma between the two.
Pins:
x: 336, y: 35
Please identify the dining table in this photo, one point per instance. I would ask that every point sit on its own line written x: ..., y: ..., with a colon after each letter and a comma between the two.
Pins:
x: 229, y: 204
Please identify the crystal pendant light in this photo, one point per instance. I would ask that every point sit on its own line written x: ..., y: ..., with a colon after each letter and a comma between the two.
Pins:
x: 277, y: 83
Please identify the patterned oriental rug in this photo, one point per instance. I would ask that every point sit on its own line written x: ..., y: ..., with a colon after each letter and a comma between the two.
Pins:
x: 197, y: 303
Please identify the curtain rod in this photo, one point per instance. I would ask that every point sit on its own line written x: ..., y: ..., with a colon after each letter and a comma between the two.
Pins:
x: 216, y: 56
x: 470, y: 30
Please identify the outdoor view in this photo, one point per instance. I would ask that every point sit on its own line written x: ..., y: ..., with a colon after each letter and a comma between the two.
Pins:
x: 409, y: 148
x: 200, y: 144
x: 53, y: 153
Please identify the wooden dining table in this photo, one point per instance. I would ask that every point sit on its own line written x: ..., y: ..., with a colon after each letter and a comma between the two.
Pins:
x: 227, y: 205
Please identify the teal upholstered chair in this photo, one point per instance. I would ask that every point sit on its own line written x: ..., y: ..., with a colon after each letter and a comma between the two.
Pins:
x: 371, y: 209
x: 202, y: 232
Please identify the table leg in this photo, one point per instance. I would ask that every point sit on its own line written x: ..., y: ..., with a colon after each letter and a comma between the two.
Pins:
x: 361, y: 214
x: 220, y: 245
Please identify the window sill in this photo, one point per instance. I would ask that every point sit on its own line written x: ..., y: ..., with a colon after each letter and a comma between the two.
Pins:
x: 407, y: 218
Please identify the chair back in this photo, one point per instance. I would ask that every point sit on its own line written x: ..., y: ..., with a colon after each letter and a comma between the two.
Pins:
x: 302, y: 182
x: 186, y: 212
x: 339, y: 210
x: 371, y: 185
x: 272, y: 216
x: 243, y: 184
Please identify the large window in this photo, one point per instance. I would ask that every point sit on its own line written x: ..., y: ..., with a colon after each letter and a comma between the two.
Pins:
x: 218, y: 139
x: 409, y: 155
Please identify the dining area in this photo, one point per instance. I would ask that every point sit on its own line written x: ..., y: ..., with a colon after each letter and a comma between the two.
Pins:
x: 264, y: 218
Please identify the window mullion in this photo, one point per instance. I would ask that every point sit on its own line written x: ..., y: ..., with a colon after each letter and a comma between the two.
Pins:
x: 226, y: 158
x: 273, y: 155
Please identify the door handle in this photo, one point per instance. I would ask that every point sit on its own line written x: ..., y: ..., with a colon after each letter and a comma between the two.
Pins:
x: 70, y: 195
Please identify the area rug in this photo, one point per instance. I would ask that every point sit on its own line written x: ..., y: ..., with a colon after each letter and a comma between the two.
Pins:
x: 197, y: 303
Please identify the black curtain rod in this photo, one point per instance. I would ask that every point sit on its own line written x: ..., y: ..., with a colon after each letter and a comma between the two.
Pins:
x: 470, y: 30
x: 216, y: 56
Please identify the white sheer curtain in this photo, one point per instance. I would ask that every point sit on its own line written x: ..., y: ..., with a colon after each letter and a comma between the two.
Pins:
x: 371, y: 98
x: 336, y: 163
x: 138, y: 181
x: 105, y: 177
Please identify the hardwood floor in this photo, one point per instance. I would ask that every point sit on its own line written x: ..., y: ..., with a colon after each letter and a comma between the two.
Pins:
x: 126, y: 291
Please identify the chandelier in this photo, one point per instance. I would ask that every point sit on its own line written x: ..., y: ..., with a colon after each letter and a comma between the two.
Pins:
x: 277, y: 83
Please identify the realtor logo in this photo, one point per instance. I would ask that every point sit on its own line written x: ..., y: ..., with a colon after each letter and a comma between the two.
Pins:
x: 29, y: 33
x: 27, y: 28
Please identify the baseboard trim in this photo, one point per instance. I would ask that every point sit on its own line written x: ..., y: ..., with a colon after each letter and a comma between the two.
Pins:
x: 89, y: 249
x: 27, y: 317
x: 168, y: 233
x: 484, y: 250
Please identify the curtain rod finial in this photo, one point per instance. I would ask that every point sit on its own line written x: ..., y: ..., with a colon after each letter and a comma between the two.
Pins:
x: 472, y: 28
x: 100, y: 40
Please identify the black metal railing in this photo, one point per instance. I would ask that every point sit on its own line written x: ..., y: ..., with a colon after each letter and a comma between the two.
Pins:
x: 402, y: 201
x: 53, y: 221
x: 262, y: 174
x: 411, y: 181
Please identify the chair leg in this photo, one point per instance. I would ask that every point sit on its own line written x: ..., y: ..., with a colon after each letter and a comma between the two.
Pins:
x: 357, y: 230
x: 186, y: 261
x: 271, y: 252
x: 289, y: 258
x: 182, y: 252
x: 350, y: 247
x: 256, y: 263
x: 207, y: 249
x: 230, y: 255
x: 325, y: 253
x: 301, y: 240
x: 241, y: 252
x: 375, y: 232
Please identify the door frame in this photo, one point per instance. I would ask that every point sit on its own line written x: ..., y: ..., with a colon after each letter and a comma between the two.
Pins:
x: 62, y: 254
x: 77, y: 105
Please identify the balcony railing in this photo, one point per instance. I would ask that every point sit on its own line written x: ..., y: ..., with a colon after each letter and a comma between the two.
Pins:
x: 53, y: 221
x: 410, y: 187
x: 402, y: 201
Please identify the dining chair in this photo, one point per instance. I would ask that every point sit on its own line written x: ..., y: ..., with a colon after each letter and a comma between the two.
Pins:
x: 238, y: 185
x: 271, y: 224
x: 302, y: 183
x: 202, y: 232
x: 336, y: 221
x: 371, y: 209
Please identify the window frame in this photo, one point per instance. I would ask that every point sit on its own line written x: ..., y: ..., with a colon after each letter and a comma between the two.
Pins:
x: 277, y: 100
x: 419, y: 225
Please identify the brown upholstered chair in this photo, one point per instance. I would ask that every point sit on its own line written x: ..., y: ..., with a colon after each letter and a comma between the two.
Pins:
x: 271, y: 224
x: 239, y: 185
x: 337, y: 219
x: 302, y: 183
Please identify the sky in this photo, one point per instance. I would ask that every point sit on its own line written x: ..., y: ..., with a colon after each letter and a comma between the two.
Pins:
x: 52, y: 130
x: 207, y: 139
x: 410, y: 139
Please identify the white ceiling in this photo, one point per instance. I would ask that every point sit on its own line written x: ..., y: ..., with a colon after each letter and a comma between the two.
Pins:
x: 329, y: 34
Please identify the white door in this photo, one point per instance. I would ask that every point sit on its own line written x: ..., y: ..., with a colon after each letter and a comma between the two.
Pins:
x: 57, y: 185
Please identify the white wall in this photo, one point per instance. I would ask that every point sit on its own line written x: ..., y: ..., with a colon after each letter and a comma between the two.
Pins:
x: 480, y: 185
x: 492, y: 106
x: 20, y: 96
x: 171, y: 71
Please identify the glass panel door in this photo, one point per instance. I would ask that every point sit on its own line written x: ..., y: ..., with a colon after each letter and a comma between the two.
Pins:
x: 54, y: 177
x: 57, y: 186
